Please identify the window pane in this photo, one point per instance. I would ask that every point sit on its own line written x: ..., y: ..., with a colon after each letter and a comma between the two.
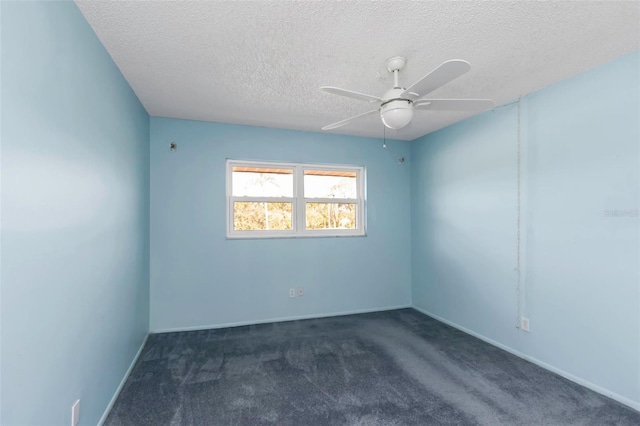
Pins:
x: 262, y: 182
x: 331, y: 216
x: 330, y: 184
x: 252, y: 216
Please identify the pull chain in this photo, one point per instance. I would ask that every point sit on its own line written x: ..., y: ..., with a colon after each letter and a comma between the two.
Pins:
x: 384, y: 136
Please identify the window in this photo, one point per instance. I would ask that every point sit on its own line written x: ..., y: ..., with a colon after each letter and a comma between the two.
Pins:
x: 266, y: 200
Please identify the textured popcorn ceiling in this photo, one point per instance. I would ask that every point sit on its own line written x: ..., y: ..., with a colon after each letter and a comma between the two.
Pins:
x: 260, y: 63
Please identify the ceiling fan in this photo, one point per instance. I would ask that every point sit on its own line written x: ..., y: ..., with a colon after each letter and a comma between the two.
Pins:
x: 397, y: 104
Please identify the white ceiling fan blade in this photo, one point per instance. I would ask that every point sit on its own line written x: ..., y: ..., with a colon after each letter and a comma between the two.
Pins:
x: 446, y: 72
x: 454, y: 104
x: 350, y: 94
x: 348, y: 120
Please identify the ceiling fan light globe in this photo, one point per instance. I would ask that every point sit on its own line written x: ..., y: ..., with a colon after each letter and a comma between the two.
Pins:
x: 396, y: 114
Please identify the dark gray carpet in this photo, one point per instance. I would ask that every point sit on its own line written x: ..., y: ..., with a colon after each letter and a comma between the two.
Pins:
x: 388, y: 368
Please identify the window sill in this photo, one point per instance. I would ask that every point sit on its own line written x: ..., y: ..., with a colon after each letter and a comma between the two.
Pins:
x: 291, y: 236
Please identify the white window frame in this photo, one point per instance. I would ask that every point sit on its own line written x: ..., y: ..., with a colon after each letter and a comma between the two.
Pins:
x: 298, y: 201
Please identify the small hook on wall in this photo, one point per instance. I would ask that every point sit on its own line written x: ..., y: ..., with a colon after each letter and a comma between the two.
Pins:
x: 173, y: 147
x: 400, y: 160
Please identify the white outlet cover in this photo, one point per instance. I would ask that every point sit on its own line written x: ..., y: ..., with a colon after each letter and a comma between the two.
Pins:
x: 524, y: 323
x: 75, y: 413
x: 292, y: 292
x: 300, y: 291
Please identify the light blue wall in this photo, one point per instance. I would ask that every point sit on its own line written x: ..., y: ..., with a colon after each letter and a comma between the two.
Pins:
x: 75, y: 179
x: 201, y: 279
x: 581, y: 289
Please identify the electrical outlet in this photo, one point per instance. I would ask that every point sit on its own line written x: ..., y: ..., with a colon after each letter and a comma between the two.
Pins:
x: 292, y: 292
x: 300, y: 291
x: 524, y: 324
x: 75, y: 413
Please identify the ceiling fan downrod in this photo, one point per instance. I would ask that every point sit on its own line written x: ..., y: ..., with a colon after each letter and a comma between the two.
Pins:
x: 394, y: 65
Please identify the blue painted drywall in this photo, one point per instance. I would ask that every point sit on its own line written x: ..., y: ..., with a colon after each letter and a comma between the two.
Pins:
x: 201, y: 279
x: 581, y: 286
x: 75, y: 190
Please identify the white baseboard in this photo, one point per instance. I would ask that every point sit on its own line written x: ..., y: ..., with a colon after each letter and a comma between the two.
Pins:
x: 121, y: 385
x: 587, y: 384
x: 281, y: 319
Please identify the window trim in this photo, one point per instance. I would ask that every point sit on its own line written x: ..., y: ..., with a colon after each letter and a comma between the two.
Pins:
x: 298, y: 202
